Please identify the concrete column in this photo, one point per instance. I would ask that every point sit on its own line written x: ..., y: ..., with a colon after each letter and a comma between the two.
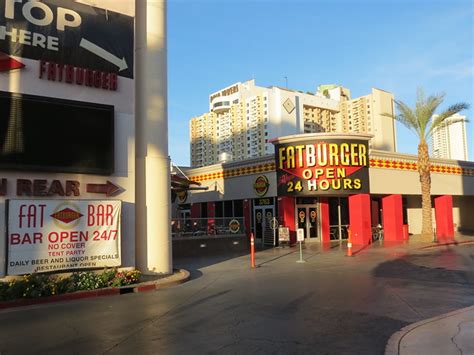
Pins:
x: 153, y: 201
x: 392, y: 217
x: 324, y: 218
x: 444, y: 217
x: 359, y: 219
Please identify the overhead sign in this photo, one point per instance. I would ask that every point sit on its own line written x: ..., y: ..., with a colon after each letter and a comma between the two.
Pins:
x: 322, y: 166
x: 52, y: 235
x: 67, y: 32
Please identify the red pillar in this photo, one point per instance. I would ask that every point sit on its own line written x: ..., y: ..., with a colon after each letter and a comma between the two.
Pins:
x: 324, y: 215
x: 286, y: 208
x: 392, y: 217
x: 444, y: 217
x: 359, y: 219
x: 247, y: 216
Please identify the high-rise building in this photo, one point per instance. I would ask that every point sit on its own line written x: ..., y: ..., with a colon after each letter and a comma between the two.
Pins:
x: 243, y: 117
x: 449, y: 140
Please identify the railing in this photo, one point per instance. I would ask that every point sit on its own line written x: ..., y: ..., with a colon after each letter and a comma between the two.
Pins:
x: 201, y: 227
x: 334, y: 232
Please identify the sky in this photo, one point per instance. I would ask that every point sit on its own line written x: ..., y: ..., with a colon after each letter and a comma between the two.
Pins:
x: 394, y: 45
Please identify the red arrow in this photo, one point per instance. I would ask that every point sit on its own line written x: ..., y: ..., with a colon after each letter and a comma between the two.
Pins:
x: 108, y: 189
x: 8, y: 63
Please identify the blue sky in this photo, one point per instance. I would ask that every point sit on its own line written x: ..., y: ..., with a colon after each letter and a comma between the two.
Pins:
x: 394, y: 45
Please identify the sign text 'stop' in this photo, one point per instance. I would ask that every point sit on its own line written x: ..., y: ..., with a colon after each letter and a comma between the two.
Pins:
x: 73, y: 33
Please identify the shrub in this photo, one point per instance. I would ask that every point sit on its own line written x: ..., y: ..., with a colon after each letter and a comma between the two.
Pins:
x: 39, y: 285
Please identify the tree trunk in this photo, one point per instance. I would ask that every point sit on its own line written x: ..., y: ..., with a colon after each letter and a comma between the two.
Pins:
x: 425, y: 179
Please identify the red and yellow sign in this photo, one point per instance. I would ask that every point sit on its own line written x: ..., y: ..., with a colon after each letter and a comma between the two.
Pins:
x: 322, y: 166
x: 261, y: 185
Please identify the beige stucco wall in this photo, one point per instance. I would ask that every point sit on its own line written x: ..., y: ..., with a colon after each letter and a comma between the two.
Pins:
x: 26, y: 81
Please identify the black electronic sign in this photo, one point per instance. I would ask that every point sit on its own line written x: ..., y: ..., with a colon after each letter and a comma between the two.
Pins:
x: 42, y: 134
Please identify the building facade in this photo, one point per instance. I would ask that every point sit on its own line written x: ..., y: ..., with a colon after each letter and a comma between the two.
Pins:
x: 75, y: 137
x: 243, y: 118
x: 326, y: 183
x: 449, y: 140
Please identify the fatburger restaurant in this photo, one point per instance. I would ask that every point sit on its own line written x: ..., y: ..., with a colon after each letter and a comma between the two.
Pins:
x: 327, y: 183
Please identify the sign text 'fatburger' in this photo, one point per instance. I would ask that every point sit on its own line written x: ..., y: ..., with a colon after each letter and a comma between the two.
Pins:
x: 322, y: 167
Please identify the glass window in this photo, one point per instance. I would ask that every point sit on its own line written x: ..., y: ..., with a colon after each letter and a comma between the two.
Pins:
x: 218, y: 210
x: 228, y: 209
x: 238, y: 208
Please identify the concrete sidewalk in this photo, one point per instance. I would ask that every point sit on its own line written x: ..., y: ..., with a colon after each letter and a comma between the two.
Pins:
x: 451, y: 333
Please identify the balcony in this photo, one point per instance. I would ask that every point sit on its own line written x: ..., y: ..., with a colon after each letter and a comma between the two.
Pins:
x: 220, y: 104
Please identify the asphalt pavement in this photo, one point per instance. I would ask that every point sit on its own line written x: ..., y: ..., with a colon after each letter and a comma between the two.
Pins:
x: 331, y: 304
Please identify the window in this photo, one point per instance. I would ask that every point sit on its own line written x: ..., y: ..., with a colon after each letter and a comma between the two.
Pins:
x: 238, y: 208
x: 228, y: 209
x: 218, y: 205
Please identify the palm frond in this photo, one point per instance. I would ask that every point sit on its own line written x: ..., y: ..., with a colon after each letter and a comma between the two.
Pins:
x: 450, y: 111
x: 426, y: 111
x: 407, y: 117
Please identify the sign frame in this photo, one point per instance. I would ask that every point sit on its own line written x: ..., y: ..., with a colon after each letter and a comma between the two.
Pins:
x: 113, y: 237
x: 322, y: 164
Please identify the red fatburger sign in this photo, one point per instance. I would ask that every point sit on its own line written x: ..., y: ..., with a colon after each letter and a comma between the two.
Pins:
x: 322, y: 166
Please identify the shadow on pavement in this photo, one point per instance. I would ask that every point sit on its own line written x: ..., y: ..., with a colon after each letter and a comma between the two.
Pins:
x: 198, y: 262
x: 411, y: 268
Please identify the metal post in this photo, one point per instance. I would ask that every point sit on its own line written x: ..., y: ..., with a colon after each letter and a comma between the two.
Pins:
x: 339, y: 217
x: 252, y: 251
x: 301, y: 254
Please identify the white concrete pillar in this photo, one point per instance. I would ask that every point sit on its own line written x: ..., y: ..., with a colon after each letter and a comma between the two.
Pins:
x: 153, y: 202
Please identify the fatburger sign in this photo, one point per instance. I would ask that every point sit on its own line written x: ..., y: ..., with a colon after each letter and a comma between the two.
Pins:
x: 322, y: 164
x: 261, y: 185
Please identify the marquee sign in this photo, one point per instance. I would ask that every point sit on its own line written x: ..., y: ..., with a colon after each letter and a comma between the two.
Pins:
x: 323, y: 165
x: 52, y: 235
x: 68, y: 33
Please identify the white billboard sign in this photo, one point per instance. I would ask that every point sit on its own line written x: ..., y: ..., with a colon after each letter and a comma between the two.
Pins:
x: 53, y: 235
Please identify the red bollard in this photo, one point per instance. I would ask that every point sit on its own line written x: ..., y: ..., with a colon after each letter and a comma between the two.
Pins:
x: 349, y: 242
x: 252, y: 251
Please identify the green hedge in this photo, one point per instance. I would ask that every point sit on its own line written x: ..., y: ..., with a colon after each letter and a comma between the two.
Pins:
x: 41, y: 285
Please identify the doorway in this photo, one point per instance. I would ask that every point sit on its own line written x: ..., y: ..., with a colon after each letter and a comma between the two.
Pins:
x: 307, y: 219
x: 338, y: 218
x: 263, y: 216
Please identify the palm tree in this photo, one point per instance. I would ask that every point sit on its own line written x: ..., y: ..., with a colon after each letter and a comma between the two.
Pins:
x: 419, y: 120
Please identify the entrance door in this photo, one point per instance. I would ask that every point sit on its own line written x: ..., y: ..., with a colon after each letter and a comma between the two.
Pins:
x: 307, y: 217
x: 262, y: 218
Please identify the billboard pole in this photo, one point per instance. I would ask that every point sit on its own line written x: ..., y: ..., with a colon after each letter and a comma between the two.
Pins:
x: 152, y: 164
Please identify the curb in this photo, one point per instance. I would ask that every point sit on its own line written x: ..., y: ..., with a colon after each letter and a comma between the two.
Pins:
x: 178, y: 277
x: 393, y: 344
